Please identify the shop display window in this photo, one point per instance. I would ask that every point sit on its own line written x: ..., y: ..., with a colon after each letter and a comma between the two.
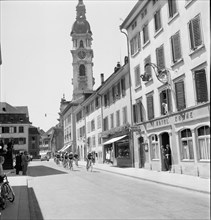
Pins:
x: 204, y: 142
x: 123, y: 150
x: 186, y: 145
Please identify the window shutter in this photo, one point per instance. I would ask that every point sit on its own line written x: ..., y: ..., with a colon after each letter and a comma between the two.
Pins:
x: 160, y: 57
x: 201, y: 86
x: 135, y: 113
x: 197, y: 32
x: 180, y: 95
x: 176, y: 47
x: 139, y: 41
x: 161, y: 101
x: 148, y: 68
x: 150, y: 108
x: 169, y: 99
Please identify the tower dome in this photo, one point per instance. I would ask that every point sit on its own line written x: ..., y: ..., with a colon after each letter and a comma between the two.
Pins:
x: 81, y: 25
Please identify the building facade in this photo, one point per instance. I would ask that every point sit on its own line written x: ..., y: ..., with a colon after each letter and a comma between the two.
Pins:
x: 170, y: 73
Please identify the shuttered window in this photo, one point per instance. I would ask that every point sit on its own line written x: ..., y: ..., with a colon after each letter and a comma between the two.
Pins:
x: 176, y: 47
x: 160, y: 57
x: 157, y: 20
x: 135, y: 44
x: 135, y: 113
x: 165, y: 101
x: 145, y: 33
x: 172, y: 8
x: 150, y: 107
x: 137, y: 76
x: 148, y: 69
x: 195, y: 33
x: 180, y: 95
x: 201, y: 86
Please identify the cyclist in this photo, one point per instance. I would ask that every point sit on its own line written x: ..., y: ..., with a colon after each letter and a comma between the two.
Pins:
x: 89, y: 160
x: 76, y: 159
x: 71, y: 157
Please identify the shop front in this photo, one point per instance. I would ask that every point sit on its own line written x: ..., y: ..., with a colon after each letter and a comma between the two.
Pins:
x: 117, y: 151
x: 178, y: 143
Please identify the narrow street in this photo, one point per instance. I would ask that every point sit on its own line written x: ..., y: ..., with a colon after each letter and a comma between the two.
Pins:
x: 57, y: 193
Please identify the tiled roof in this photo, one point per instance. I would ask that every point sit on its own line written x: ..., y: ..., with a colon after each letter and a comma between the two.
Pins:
x: 7, y: 108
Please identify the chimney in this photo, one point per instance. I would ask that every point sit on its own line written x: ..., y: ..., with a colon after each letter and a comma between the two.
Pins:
x: 102, y: 78
x: 117, y: 67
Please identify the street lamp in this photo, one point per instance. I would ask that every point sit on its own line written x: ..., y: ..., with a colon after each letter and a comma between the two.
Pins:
x: 161, y: 74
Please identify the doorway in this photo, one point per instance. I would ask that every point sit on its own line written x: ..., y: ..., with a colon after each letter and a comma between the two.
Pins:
x: 164, y: 137
x: 142, y: 157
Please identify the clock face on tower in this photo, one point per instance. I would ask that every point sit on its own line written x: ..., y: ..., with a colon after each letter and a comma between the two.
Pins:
x: 81, y: 54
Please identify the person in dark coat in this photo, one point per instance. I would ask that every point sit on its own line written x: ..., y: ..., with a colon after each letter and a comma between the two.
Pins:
x: 168, y: 157
x: 18, y: 160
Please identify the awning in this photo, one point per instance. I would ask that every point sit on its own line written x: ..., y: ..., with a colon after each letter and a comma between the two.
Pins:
x: 114, y: 139
x: 64, y: 148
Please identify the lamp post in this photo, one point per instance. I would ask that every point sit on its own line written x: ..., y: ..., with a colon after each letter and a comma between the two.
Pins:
x: 163, y: 75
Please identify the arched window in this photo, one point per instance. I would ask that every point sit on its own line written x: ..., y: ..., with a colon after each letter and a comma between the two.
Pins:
x: 203, y: 139
x: 82, y: 70
x: 81, y: 44
x: 154, y: 147
x: 186, y: 145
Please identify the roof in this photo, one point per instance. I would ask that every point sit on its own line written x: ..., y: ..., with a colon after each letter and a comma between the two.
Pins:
x: 6, y: 108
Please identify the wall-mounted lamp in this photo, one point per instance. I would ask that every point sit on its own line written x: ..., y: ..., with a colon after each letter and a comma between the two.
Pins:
x: 161, y: 74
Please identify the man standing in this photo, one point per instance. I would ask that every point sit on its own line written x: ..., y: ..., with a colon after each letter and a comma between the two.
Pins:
x: 24, y: 162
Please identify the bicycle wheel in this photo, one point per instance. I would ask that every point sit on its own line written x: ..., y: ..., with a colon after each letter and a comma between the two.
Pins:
x: 8, y: 192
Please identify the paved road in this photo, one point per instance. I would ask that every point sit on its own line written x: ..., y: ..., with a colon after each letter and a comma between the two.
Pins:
x: 57, y: 193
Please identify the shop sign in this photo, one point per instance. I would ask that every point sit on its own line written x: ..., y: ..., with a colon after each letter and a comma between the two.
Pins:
x: 183, y: 117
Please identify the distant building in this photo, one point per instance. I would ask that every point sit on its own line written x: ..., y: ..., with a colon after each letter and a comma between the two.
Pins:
x: 33, y: 144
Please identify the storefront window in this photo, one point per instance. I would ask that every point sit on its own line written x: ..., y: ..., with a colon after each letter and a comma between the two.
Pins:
x: 204, y: 142
x: 154, y: 147
x: 123, y: 150
x: 186, y: 145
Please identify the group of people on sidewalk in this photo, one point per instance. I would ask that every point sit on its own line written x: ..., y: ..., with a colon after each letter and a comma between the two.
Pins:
x: 21, y: 162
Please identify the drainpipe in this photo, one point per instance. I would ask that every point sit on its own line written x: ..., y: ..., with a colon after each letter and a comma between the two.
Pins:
x: 131, y: 105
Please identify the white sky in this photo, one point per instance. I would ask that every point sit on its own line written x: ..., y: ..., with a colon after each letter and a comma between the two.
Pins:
x: 35, y: 41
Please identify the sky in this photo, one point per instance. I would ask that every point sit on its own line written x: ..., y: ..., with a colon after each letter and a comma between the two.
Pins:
x: 36, y: 68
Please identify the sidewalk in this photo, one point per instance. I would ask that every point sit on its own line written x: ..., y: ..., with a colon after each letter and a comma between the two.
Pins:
x: 172, y: 179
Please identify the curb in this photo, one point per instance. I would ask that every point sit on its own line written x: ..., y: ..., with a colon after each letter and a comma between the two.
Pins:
x: 154, y: 181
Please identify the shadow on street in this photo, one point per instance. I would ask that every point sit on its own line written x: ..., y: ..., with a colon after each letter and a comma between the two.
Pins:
x: 34, y: 208
x: 43, y: 171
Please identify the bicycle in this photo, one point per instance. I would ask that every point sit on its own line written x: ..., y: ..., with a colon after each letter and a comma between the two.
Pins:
x: 6, y: 192
x: 89, y: 165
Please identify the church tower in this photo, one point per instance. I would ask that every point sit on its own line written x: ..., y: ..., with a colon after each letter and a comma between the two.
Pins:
x: 82, y: 54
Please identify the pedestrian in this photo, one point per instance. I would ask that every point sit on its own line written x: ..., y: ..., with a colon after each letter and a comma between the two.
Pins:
x: 24, y: 162
x: 18, y: 161
x: 165, y: 164
x: 76, y: 159
x: 168, y: 157
x: 1, y: 169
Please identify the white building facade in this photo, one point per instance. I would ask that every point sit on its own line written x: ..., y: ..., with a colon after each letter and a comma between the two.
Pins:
x: 173, y: 36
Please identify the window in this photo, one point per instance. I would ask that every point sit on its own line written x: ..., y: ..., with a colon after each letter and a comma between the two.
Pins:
x: 134, y: 25
x: 186, y: 145
x: 157, y: 20
x: 106, y: 99
x: 148, y: 69
x: 160, y: 57
x: 195, y: 33
x: 21, y: 130
x: 118, y: 91
x: 105, y: 124
x: 145, y: 34
x: 138, y: 112
x: 92, y: 106
x: 82, y: 70
x: 112, y: 120
x: 97, y: 103
x: 176, y: 47
x: 123, y: 87
x: 89, y: 127
x: 203, y: 135
x: 99, y: 139
x: 180, y: 95
x: 21, y: 141
x: 124, y: 113
x: 113, y: 93
x: 98, y: 121
x: 93, y: 125
x: 137, y: 76
x: 154, y: 147
x: 201, y: 86
x: 5, y: 130
x: 87, y: 109
x: 93, y: 141
x: 118, y: 118
x: 81, y: 44
x: 165, y: 101
x: 150, y: 107
x: 172, y: 8
x: 144, y: 13
x: 135, y: 44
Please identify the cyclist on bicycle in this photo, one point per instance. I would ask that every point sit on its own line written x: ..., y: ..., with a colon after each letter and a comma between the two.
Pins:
x: 71, y: 157
x: 89, y: 159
